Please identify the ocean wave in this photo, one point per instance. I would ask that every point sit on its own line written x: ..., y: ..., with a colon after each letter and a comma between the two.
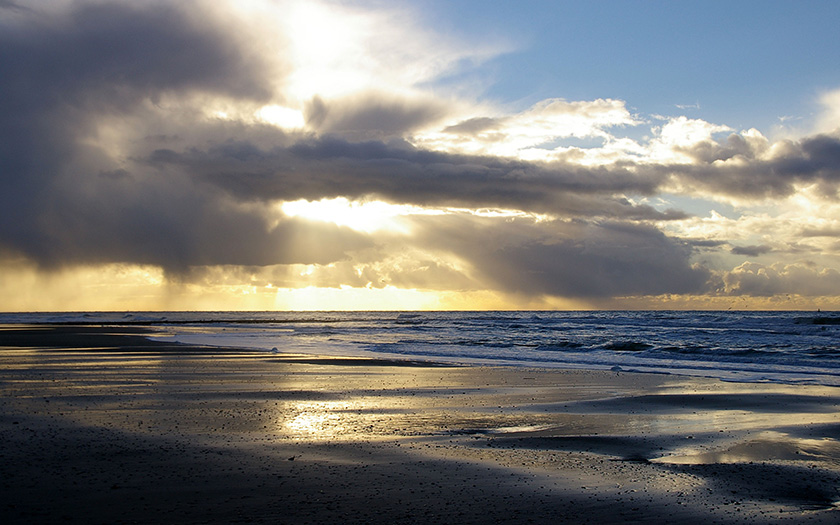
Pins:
x: 774, y: 346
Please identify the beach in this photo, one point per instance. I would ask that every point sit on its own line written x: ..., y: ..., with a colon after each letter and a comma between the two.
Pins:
x: 101, y: 425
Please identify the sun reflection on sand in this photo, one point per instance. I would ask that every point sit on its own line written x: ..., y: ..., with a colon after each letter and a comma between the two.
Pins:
x: 315, y: 424
x: 766, y: 446
x: 322, y: 420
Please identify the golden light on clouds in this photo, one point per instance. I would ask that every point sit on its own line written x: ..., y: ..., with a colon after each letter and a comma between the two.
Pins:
x: 353, y: 298
x: 366, y: 216
x: 100, y: 287
x: 281, y: 116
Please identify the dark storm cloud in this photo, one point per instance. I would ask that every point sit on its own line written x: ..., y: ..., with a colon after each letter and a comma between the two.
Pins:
x: 59, y: 73
x: 814, y: 159
x: 10, y: 5
x: 333, y: 167
x: 102, y: 56
x: 578, y: 258
x: 63, y: 200
x: 569, y: 258
x: 181, y: 228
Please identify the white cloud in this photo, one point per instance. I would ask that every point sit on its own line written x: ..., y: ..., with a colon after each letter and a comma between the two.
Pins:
x: 528, y: 134
x: 780, y: 278
x: 336, y: 49
x: 829, y: 119
x: 674, y: 141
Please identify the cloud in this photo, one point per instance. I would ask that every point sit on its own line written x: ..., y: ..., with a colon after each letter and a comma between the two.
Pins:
x: 140, y: 133
x: 474, y: 126
x: 393, y: 263
x: 696, y: 105
x: 461, y: 251
x: 566, y: 258
x: 747, y: 167
x: 372, y: 116
x: 820, y: 232
x: 829, y: 119
x: 753, y: 251
x: 12, y: 6
x: 66, y: 199
x: 524, y: 133
x: 89, y: 89
x: 339, y: 50
x: 330, y: 167
x: 779, y: 278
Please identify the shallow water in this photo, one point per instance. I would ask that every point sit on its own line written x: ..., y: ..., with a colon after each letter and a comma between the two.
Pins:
x: 784, y: 347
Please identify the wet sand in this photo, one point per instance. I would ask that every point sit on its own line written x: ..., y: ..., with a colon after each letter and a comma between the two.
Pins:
x: 100, y: 425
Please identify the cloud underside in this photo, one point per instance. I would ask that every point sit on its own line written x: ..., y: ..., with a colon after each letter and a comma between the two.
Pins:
x: 127, y: 135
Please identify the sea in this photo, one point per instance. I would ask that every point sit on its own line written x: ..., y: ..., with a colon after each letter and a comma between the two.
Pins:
x: 778, y: 347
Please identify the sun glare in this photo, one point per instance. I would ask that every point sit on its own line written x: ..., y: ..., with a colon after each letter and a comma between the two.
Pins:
x: 368, y: 217
x: 281, y: 116
x: 328, y: 50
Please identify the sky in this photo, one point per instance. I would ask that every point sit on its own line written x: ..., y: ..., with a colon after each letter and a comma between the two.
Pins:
x: 406, y: 155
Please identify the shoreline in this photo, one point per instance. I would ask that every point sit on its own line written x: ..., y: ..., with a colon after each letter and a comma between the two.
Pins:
x: 104, y: 425
x: 744, y: 346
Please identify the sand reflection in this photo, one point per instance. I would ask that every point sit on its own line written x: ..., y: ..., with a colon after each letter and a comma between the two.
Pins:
x: 355, y: 419
x: 315, y: 421
x: 767, y: 446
